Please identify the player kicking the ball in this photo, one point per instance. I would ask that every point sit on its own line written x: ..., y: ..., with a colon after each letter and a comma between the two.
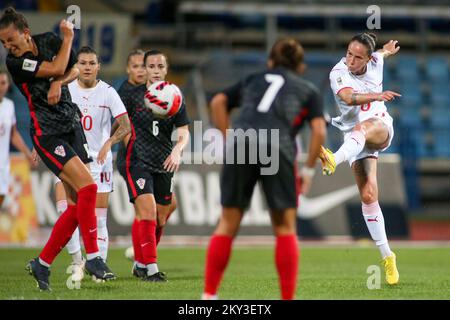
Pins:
x: 357, y: 84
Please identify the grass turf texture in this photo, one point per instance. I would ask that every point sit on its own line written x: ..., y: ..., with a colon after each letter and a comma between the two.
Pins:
x: 325, y: 273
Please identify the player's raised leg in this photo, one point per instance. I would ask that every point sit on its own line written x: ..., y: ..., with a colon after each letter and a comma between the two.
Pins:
x: 365, y: 171
x: 372, y: 132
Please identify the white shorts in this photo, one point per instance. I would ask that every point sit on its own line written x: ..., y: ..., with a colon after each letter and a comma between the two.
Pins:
x: 102, y: 175
x: 4, y: 181
x: 371, y: 153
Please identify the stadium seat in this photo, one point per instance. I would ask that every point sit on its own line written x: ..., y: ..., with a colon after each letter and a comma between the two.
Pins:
x: 442, y: 143
x: 436, y: 69
x: 408, y: 69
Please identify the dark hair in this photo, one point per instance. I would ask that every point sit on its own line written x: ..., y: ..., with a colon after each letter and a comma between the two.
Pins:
x: 369, y: 40
x: 87, y: 50
x: 288, y: 53
x: 11, y: 16
x: 154, y: 53
x: 134, y: 53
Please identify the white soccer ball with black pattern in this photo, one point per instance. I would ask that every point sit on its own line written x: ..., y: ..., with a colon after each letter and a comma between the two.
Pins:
x: 164, y: 99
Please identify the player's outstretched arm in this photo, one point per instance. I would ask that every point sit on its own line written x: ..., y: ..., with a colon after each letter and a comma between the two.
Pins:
x: 58, y: 66
x: 219, y: 112
x: 172, y: 163
x: 352, y: 98
x: 123, y: 129
x: 389, y: 49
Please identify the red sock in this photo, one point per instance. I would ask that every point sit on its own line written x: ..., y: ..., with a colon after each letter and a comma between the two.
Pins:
x: 218, y: 255
x: 286, y: 260
x: 136, y: 241
x: 148, y: 240
x: 61, y: 234
x: 86, y: 217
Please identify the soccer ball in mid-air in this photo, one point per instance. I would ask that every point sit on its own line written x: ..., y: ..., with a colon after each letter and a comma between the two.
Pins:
x: 164, y: 99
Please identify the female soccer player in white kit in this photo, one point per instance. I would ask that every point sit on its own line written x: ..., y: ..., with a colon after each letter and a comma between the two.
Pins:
x: 8, y: 134
x: 357, y: 84
x: 97, y: 101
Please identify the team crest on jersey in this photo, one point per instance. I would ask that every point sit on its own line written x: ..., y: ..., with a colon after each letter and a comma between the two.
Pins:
x: 339, y: 81
x: 59, y: 150
x: 141, y: 183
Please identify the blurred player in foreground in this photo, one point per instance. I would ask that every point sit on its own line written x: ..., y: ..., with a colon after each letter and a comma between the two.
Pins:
x: 357, y: 84
x: 277, y: 99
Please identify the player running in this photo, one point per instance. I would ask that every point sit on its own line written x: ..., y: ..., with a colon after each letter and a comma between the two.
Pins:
x: 147, y: 164
x: 97, y: 101
x: 8, y: 134
x: 275, y: 99
x: 41, y: 67
x: 357, y: 84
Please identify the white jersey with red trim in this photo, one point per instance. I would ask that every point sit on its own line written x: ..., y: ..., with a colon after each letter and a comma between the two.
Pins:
x: 7, y: 120
x: 369, y: 82
x: 97, y: 105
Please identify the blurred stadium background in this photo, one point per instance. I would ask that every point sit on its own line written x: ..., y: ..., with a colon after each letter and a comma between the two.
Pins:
x: 212, y: 44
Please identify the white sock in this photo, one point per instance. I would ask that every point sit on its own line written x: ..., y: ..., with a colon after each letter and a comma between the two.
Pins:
x: 152, y: 268
x: 351, y: 147
x: 102, y: 232
x: 140, y: 265
x: 45, y: 264
x: 77, y: 257
x: 90, y: 256
x: 207, y: 296
x: 373, y: 216
x: 73, y: 246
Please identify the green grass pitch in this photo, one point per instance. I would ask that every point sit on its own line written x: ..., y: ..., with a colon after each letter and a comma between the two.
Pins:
x: 325, y: 273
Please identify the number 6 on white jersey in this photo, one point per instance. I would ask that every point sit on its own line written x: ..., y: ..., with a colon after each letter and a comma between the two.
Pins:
x: 276, y: 82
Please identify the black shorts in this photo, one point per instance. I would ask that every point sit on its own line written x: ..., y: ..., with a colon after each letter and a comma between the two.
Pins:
x: 142, y: 181
x: 56, y: 150
x: 281, y: 189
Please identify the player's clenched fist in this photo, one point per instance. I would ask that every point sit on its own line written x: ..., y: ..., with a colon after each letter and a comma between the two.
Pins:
x: 66, y: 28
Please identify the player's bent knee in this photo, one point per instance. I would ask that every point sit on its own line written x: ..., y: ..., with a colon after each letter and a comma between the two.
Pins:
x: 368, y: 197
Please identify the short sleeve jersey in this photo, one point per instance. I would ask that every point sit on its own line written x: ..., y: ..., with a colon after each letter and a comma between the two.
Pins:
x: 369, y: 82
x: 151, y: 142
x: 275, y: 99
x: 97, y: 105
x: 45, y: 119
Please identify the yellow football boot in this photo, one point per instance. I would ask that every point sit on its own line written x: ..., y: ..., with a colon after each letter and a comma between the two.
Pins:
x: 328, y: 163
x: 390, y: 267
